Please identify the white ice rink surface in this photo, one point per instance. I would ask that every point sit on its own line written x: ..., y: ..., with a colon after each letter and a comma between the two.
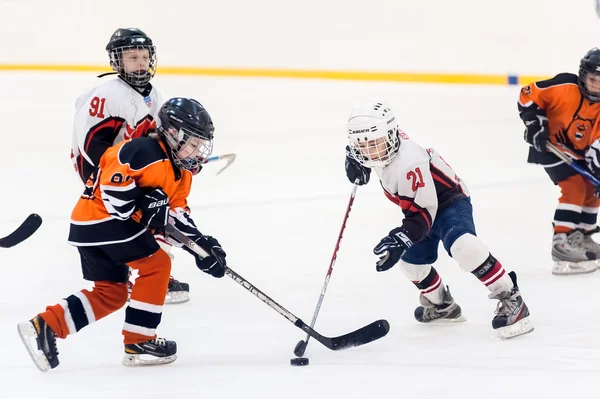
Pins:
x: 277, y: 212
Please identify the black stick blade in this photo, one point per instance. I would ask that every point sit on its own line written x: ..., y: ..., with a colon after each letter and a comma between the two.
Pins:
x: 23, y: 232
x: 300, y: 348
x: 372, y: 332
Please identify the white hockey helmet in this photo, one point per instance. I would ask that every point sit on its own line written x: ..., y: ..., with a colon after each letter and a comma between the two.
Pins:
x: 373, y: 134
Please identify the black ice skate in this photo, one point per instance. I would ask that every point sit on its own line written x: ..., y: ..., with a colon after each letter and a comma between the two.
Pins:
x: 44, y: 352
x: 512, y: 314
x: 447, y: 311
x: 149, y: 353
x: 178, y: 292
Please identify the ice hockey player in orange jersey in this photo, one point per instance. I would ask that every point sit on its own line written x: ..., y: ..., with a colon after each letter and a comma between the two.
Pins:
x: 118, y: 109
x: 139, y: 186
x: 564, y: 110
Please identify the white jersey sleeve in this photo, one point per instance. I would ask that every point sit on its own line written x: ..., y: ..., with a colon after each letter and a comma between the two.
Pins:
x: 422, y: 184
x: 106, y: 115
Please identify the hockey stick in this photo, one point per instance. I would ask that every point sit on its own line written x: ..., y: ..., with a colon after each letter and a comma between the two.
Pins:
x: 364, y: 335
x: 571, y: 162
x: 229, y: 158
x: 301, y: 345
x: 23, y: 232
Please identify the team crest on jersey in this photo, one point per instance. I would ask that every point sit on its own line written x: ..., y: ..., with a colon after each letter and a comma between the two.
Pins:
x: 526, y: 91
x: 580, y: 127
x: 148, y: 101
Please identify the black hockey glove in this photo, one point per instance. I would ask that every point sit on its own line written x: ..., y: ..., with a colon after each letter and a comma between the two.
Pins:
x: 355, y: 171
x: 215, y: 263
x: 391, y: 248
x: 536, y: 129
x: 155, y: 209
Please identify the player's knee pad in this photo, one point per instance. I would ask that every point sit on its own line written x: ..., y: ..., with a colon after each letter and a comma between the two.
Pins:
x: 469, y: 252
x: 414, y: 272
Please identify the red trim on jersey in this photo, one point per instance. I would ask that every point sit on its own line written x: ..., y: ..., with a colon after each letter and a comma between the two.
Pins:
x: 114, y: 124
x: 392, y: 198
x: 447, y: 180
x: 411, y: 207
x: 408, y: 205
x: 111, y: 123
x: 440, y: 180
x: 141, y: 129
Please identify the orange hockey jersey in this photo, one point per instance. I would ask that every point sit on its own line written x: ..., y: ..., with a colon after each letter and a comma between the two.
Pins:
x: 107, y: 212
x: 572, y: 119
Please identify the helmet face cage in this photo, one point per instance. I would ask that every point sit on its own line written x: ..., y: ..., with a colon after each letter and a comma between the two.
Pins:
x: 120, y: 55
x: 584, y: 71
x: 189, y: 149
x: 374, y: 151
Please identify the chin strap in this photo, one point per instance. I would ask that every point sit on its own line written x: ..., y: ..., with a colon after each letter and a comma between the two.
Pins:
x: 107, y: 73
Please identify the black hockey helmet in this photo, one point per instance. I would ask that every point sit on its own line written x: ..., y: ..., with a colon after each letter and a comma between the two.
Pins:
x: 188, y: 131
x: 590, y: 63
x: 128, y: 39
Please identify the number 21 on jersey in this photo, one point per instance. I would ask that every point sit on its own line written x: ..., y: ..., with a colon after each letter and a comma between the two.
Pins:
x: 416, y: 178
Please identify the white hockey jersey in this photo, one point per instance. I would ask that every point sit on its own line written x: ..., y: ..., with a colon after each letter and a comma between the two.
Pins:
x: 422, y: 184
x: 108, y: 114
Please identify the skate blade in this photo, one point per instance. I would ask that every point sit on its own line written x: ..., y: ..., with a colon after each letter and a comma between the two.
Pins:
x: 561, y: 268
x: 177, y: 297
x: 29, y: 338
x: 458, y: 319
x: 522, y: 327
x: 146, y: 360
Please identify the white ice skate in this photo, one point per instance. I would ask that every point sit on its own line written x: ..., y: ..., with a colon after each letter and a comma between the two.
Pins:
x: 512, y: 314
x: 592, y: 246
x: 446, y: 312
x: 571, y: 256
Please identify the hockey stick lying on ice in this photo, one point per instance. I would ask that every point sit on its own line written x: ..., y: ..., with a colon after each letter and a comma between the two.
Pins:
x: 229, y: 158
x: 23, y: 232
x: 364, y: 335
x: 571, y: 162
x: 301, y: 345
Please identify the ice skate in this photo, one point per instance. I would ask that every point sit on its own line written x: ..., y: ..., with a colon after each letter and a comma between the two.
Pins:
x: 40, y: 342
x: 591, y: 245
x: 178, y: 292
x: 153, y: 352
x: 447, y: 311
x: 570, y: 254
x: 512, y: 314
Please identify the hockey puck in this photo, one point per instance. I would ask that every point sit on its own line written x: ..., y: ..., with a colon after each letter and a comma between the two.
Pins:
x: 299, y: 361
